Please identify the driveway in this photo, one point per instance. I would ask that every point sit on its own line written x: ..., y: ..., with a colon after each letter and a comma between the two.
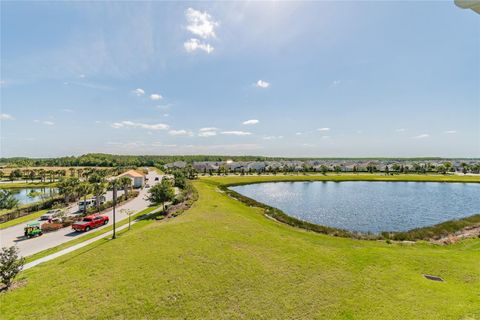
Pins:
x: 14, y: 235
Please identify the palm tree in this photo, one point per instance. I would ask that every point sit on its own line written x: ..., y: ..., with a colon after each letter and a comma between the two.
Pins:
x: 68, y: 188
x: 50, y: 174
x: 80, y: 173
x: 83, y: 190
x: 42, y: 174
x: 126, y: 183
x: 72, y: 171
x: 26, y: 174
x: 32, y: 175
x: 99, y: 186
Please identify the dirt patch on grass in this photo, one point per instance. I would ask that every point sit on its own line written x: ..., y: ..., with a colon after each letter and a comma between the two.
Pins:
x: 465, y: 233
x: 15, y: 285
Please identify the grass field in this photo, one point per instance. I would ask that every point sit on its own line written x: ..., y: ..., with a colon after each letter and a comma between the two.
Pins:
x: 223, y: 259
x: 28, y: 217
x: 18, y: 185
x: 87, y: 236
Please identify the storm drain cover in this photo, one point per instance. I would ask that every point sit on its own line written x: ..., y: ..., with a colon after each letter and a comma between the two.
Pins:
x: 434, y: 278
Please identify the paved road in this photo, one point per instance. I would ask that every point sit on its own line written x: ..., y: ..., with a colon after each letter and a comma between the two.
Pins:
x: 79, y: 245
x: 14, y: 235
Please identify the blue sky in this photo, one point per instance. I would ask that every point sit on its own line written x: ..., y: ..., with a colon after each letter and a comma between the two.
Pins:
x: 271, y: 78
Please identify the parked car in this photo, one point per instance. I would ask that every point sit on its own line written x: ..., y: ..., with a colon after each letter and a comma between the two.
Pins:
x: 51, y: 214
x: 90, y: 222
x: 156, y: 178
x: 147, y: 186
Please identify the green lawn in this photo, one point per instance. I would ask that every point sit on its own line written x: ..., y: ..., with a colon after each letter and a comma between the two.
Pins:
x: 28, y: 217
x: 13, y: 185
x: 87, y: 236
x: 223, y: 259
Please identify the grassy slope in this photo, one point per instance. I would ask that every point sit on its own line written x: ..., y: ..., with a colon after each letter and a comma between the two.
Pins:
x: 18, y: 185
x: 222, y: 259
x: 87, y: 236
x: 232, y: 179
x: 28, y: 217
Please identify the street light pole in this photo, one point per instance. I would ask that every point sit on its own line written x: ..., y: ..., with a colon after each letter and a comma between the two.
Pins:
x: 114, y: 204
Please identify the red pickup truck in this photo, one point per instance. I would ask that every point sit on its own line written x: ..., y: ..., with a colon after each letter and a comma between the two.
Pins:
x: 90, y: 222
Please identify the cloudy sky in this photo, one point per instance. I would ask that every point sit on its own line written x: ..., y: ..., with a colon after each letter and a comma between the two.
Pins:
x: 269, y: 78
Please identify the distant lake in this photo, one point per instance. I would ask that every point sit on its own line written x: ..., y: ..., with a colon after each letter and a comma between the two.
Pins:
x: 36, y: 194
x: 369, y: 206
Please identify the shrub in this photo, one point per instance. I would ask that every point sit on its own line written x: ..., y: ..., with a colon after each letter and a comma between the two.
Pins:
x: 68, y: 222
x: 48, y: 227
x: 10, y: 265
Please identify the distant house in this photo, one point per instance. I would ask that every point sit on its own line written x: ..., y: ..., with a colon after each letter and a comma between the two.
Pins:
x: 138, y: 179
x: 176, y: 165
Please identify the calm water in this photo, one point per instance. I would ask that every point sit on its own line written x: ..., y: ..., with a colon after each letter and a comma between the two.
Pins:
x: 26, y: 196
x: 369, y: 206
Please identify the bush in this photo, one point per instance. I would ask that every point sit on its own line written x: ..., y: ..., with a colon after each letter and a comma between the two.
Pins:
x: 48, y: 227
x: 10, y: 265
x: 69, y: 221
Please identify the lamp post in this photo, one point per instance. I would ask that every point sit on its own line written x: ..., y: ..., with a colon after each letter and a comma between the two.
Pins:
x: 114, y: 184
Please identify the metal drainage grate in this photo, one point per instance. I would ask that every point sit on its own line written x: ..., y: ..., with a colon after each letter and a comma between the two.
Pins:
x: 433, y: 278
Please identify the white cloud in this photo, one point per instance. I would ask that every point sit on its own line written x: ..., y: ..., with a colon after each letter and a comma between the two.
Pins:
x: 48, y: 123
x: 262, y: 84
x: 159, y: 144
x: 82, y: 76
x: 130, y: 124
x: 236, y: 133
x: 208, y: 129
x: 195, y: 44
x: 298, y: 133
x: 139, y: 92
x: 450, y: 132
x: 200, y: 23
x: 272, y: 137
x: 180, y: 133
x: 67, y: 110
x: 5, y: 116
x: 422, y: 136
x: 155, y: 96
x: 401, y: 130
x: 250, y: 122
x: 323, y: 129
x: 206, y: 134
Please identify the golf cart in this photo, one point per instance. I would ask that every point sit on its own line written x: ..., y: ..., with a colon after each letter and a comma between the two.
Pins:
x: 33, y: 230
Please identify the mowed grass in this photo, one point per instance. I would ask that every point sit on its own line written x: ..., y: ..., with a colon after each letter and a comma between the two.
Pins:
x: 237, y: 179
x: 223, y: 259
x: 89, y: 235
x: 24, y: 219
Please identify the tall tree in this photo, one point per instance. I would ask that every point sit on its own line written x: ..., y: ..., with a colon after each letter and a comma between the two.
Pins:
x: 10, y: 264
x: 84, y: 189
x: 68, y: 188
x: 161, y: 193
x: 99, y: 184
x: 125, y: 183
x: 7, y: 200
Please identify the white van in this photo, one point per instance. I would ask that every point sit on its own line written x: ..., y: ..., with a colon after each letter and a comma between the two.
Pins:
x: 89, y: 203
